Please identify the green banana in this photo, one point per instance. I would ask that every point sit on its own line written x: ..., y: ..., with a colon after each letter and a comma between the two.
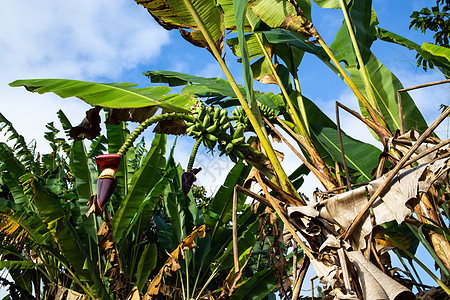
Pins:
x: 239, y: 131
x: 229, y: 148
x: 207, y: 121
x: 211, y: 137
x: 237, y: 140
x: 212, y: 128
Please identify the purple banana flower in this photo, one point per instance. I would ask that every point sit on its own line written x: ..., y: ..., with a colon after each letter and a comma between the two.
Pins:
x: 108, y: 164
x: 187, y: 180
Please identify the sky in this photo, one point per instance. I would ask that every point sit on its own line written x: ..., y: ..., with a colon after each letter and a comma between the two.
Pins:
x: 116, y: 41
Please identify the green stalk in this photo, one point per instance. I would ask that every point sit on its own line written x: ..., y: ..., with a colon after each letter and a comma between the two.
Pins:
x: 362, y: 67
x: 257, y: 126
x: 407, y: 269
x: 187, y: 274
x: 372, y: 111
x: 441, y: 284
x: 193, y: 154
x: 213, y: 274
x: 302, y: 126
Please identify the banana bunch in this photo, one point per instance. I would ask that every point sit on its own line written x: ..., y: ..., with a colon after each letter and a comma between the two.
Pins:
x: 267, y: 112
x: 209, y: 124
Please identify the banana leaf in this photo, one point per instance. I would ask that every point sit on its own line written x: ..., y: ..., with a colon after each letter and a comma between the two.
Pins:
x: 112, y: 95
x: 141, y: 183
x: 330, y: 3
x: 146, y: 264
x: 177, y: 14
x: 11, y: 170
x: 361, y: 157
x: 222, y: 203
x: 385, y: 85
x: 257, y: 287
x: 216, y: 88
x: 116, y: 136
x: 436, y: 54
x: 363, y: 20
x: 85, y: 177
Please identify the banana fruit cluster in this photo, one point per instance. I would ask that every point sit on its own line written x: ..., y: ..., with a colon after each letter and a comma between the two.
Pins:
x: 213, y: 126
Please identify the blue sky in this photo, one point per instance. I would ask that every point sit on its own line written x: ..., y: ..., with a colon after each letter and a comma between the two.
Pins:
x: 116, y: 41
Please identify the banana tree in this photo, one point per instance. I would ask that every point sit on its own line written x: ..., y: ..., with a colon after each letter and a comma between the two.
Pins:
x: 278, y: 34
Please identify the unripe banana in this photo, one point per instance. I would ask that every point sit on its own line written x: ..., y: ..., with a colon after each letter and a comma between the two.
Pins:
x: 223, y: 112
x: 225, y: 127
x: 223, y: 119
x: 238, y: 140
x: 239, y: 131
x: 212, y: 128
x: 210, y: 109
x: 229, y: 148
x: 211, y: 137
x: 199, y: 126
x: 216, y: 112
x: 207, y: 121
x: 189, y: 130
x: 202, y: 113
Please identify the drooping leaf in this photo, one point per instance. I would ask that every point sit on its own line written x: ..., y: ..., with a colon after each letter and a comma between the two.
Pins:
x: 141, y: 183
x: 424, y: 51
x: 175, y: 14
x: 277, y: 36
x: 217, y: 89
x: 330, y: 3
x: 113, y: 95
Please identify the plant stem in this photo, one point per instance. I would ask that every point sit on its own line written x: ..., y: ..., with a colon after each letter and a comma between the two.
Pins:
x: 259, y: 128
x: 406, y: 268
x: 442, y: 285
x: 193, y: 154
x: 362, y: 67
x: 370, y: 109
x: 302, y: 126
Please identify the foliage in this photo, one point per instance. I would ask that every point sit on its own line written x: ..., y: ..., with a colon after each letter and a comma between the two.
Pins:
x: 153, y: 208
x: 435, y: 20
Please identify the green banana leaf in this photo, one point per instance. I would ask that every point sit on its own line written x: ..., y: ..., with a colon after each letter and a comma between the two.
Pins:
x: 11, y: 170
x: 246, y: 240
x: 257, y: 287
x: 85, y: 179
x: 385, y: 85
x: 438, y: 55
x: 112, y: 95
x: 20, y: 264
x: 141, y: 183
x: 217, y: 88
x: 116, y: 136
x: 330, y: 3
x: 21, y: 149
x: 363, y: 21
x: 146, y: 264
x: 278, y: 36
x: 361, y: 157
x: 221, y: 205
x: 53, y: 214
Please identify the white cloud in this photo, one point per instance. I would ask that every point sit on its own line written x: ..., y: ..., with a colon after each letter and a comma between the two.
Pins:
x: 84, y: 40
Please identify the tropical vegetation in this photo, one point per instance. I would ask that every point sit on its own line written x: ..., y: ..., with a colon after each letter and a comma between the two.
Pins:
x: 152, y: 238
